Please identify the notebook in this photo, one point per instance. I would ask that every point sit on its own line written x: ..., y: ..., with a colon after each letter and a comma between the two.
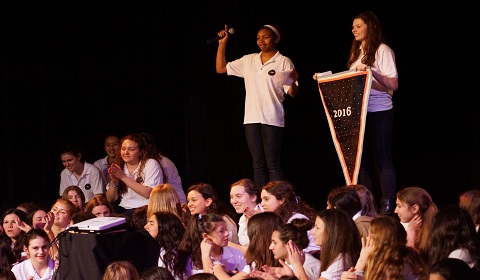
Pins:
x: 99, y: 224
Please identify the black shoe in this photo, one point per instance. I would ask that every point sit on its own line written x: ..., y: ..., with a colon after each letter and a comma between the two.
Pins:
x: 387, y: 206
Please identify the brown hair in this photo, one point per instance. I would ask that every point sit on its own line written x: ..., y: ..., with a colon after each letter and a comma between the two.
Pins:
x: 373, y: 40
x: 79, y: 192
x: 249, y: 187
x: 391, y: 256
x: 121, y: 270
x: 292, y: 203
x: 470, y: 201
x: 427, y: 211
x: 98, y: 200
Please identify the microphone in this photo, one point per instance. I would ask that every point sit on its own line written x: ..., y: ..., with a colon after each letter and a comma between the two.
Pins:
x: 216, y: 38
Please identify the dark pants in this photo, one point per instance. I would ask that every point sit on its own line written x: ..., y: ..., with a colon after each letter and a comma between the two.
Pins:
x: 377, y: 153
x: 265, y: 144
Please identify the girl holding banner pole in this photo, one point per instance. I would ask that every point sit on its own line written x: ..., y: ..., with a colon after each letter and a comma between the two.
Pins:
x: 370, y: 50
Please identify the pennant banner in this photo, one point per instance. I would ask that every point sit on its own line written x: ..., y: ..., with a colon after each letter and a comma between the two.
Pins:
x: 345, y: 100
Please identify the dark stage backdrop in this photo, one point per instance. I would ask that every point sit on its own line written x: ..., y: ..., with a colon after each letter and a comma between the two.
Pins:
x: 75, y: 71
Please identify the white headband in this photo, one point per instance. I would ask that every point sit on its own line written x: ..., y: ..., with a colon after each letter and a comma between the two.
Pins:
x: 274, y: 30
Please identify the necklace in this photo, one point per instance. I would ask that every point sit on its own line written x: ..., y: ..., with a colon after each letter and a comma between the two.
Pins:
x: 217, y: 257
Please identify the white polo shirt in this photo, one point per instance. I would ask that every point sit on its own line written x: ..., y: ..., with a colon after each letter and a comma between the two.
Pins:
x: 151, y: 175
x: 265, y: 87
x: 90, y: 182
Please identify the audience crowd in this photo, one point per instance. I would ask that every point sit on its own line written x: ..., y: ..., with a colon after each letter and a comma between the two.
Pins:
x: 268, y: 232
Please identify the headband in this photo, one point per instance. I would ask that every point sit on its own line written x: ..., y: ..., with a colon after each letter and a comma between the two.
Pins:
x: 274, y: 30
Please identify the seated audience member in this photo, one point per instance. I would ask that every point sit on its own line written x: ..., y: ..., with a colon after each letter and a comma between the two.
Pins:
x: 6, y: 274
x: 121, y: 270
x: 164, y: 198
x: 367, y: 199
x: 99, y: 206
x: 206, y: 243
x: 170, y: 172
x: 28, y: 207
x: 280, y: 197
x: 339, y: 251
x: 258, y: 254
x: 346, y: 199
x: 157, y: 273
x: 202, y: 199
x: 384, y: 254
x: 81, y: 216
x: 452, y: 269
x: 168, y: 230
x: 14, y: 222
x: 133, y: 175
x: 470, y: 201
x: 59, y: 217
x: 245, y: 198
x: 453, y: 235
x: 111, y: 144
x: 38, y: 218
x: 203, y: 276
x: 76, y: 196
x: 416, y: 210
x: 288, y: 242
x: 139, y: 217
x: 38, y: 264
x: 7, y: 258
x: 78, y: 172
x: 260, y: 228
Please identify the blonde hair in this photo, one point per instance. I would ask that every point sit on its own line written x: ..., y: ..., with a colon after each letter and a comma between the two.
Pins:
x: 164, y: 198
x: 391, y: 257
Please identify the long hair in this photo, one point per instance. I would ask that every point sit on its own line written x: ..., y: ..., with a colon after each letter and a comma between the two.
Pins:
x: 20, y: 239
x: 369, y: 207
x: 72, y: 209
x: 79, y: 192
x: 396, y: 262
x: 259, y: 229
x: 391, y: 256
x: 164, y: 198
x: 336, y: 241
x: 292, y: 203
x: 121, y: 270
x: 146, y: 152
x: 427, y: 211
x: 217, y: 206
x: 452, y: 269
x: 453, y: 229
x: 170, y: 234
x: 190, y: 244
x: 346, y: 199
x: 373, y: 40
x: 7, y: 274
x: 470, y: 201
x: 99, y: 200
x: 7, y: 258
